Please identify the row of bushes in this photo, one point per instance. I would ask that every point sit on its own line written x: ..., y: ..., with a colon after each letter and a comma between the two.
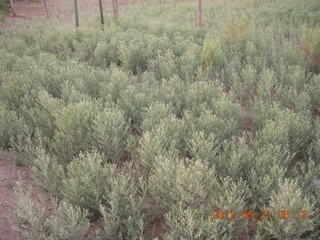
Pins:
x: 143, y: 122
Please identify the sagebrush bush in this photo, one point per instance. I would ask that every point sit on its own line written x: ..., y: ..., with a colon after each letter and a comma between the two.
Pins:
x: 111, y: 133
x: 190, y: 223
x: 35, y: 222
x: 299, y: 209
x: 163, y: 66
x: 31, y: 217
x: 47, y: 171
x: 154, y: 115
x: 67, y: 222
x: 87, y: 182
x: 74, y: 129
x: 134, y: 103
x: 11, y: 126
x: 122, y: 214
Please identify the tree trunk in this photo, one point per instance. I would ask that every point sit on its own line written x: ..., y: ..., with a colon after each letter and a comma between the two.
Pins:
x: 13, y: 8
x: 115, y: 8
x: 200, y: 14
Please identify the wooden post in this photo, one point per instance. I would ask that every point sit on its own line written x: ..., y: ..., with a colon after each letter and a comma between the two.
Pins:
x: 101, y: 13
x: 13, y: 8
x: 200, y: 14
x: 46, y: 7
x: 115, y: 8
x: 76, y: 11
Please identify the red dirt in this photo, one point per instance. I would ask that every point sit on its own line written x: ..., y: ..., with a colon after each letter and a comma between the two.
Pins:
x: 9, y: 175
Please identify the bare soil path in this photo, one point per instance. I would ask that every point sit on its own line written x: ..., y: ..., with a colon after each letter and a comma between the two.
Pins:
x: 9, y: 175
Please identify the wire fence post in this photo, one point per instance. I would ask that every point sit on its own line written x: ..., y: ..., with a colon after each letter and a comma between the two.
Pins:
x: 46, y: 7
x: 76, y: 11
x: 101, y: 13
x: 200, y: 14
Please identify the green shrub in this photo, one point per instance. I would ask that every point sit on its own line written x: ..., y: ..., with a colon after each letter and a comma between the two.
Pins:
x: 189, y: 67
x: 173, y: 182
x: 155, y: 113
x: 47, y: 171
x: 87, y: 181
x: 172, y: 91
x: 23, y: 149
x: 111, y: 134
x: 163, y: 66
x: 152, y: 145
x: 209, y: 123
x: 310, y: 44
x: 123, y: 217
x: 268, y: 169
x: 289, y: 198
x: 211, y: 52
x: 68, y: 222
x: 134, y: 55
x: 106, y: 53
x: 119, y: 81
x: 313, y: 90
x: 205, y: 147
x: 134, y: 102
x: 192, y: 223
x: 74, y: 128
x: 31, y: 217
x: 11, y: 126
x: 35, y: 222
x: 202, y: 95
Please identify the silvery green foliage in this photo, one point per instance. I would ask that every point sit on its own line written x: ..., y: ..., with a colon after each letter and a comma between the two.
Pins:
x: 133, y: 102
x: 11, y: 126
x: 163, y: 66
x: 47, y: 171
x: 268, y: 169
x: 30, y: 216
x: 173, y: 181
x: 24, y: 149
x: 153, y: 144
x: 87, y: 181
x: 210, y: 123
x: 67, y: 222
x: 172, y: 91
x: 289, y: 198
x: 111, y: 132
x: 119, y: 81
x: 35, y: 222
x: 74, y: 128
x: 122, y: 213
x: 188, y: 194
x: 154, y: 115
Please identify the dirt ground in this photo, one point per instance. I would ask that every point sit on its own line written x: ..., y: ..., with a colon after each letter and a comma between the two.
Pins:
x: 60, y: 10
x: 9, y: 175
